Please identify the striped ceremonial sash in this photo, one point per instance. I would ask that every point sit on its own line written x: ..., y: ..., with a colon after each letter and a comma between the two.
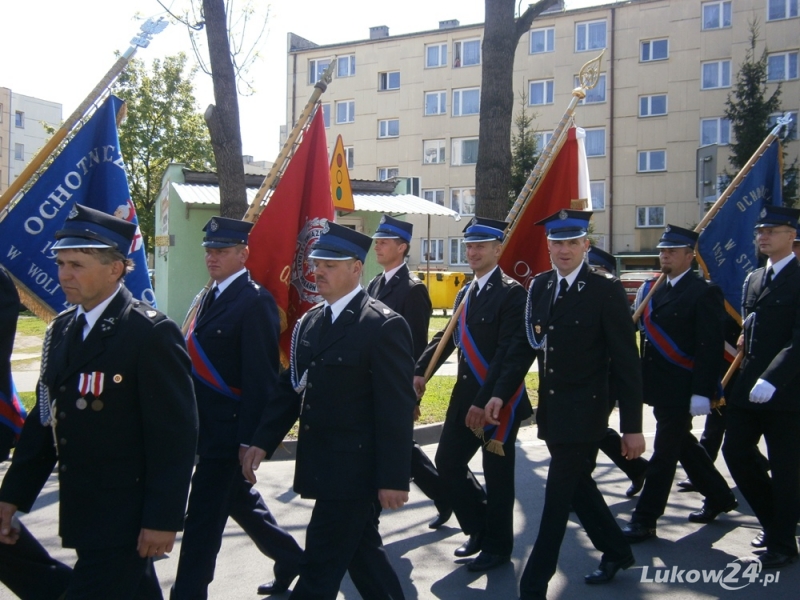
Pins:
x: 660, y: 340
x: 204, y: 370
x: 12, y: 413
x: 480, y: 368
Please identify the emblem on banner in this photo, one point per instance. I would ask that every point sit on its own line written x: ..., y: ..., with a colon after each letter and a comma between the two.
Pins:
x: 302, y: 276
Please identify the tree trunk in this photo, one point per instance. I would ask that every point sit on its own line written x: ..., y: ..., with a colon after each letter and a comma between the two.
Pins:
x: 223, y: 117
x: 501, y: 34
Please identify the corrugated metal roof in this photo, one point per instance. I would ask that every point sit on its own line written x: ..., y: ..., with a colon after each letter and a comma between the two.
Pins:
x: 383, y: 203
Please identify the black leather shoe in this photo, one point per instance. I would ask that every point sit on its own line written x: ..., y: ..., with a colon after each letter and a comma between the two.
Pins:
x: 638, y: 532
x: 775, y: 560
x: 687, y: 486
x: 708, y: 513
x: 637, y: 483
x: 470, y: 547
x: 276, y: 586
x: 486, y: 560
x: 759, y: 541
x: 441, y: 519
x: 607, y: 569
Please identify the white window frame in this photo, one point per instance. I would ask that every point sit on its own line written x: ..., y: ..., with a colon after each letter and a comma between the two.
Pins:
x: 19, y: 151
x: 548, y: 91
x: 722, y: 131
x: 722, y: 76
x: 549, y: 39
x: 458, y: 104
x: 441, y: 55
x: 789, y: 9
x: 648, y: 156
x: 315, y: 68
x: 459, y: 191
x: 350, y: 111
x: 388, y: 128
x: 458, y: 252
x: 433, y: 152
x: 649, y: 111
x: 457, y: 152
x: 789, y: 66
x: 437, y: 244
x: 583, y: 41
x: 542, y: 139
x: 598, y: 193
x: 326, y: 114
x: 650, y: 214
x: 722, y: 7
x: 350, y: 157
x: 647, y: 46
x: 593, y: 131
x: 19, y: 119
x: 385, y: 83
x: 386, y: 173
x: 593, y: 95
x: 458, y: 52
x: 349, y: 63
x: 435, y: 195
x: 441, y: 103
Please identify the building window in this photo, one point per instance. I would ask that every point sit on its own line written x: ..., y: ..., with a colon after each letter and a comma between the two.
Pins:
x: 597, y: 93
x: 598, y: 191
x: 781, y: 67
x: 653, y: 106
x: 435, y: 56
x: 389, y: 128
x: 466, y: 53
x: 466, y: 101
x: 465, y: 151
x: 716, y: 15
x: 345, y: 111
x: 596, y: 142
x: 716, y: 74
x: 385, y: 173
x: 654, y: 50
x: 436, y: 103
x: 652, y: 161
x: 326, y: 114
x: 433, y: 152
x: 435, y: 196
x: 19, y: 151
x: 715, y: 131
x: 590, y: 36
x: 542, y: 40
x: 462, y: 200
x: 781, y: 9
x: 791, y: 134
x: 436, y: 253
x: 350, y: 157
x: 316, y: 67
x: 650, y: 216
x: 19, y: 119
x: 458, y: 252
x: 540, y: 92
x: 389, y: 81
x: 542, y: 139
x: 346, y: 66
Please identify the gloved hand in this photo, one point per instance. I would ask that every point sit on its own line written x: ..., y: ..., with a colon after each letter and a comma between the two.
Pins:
x: 700, y: 405
x: 762, y: 392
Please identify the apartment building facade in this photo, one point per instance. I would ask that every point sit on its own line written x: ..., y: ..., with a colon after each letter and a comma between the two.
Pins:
x: 407, y: 106
x: 21, y: 131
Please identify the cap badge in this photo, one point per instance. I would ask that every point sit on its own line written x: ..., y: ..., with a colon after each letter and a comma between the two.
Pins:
x: 214, y: 225
x: 563, y: 215
x: 383, y: 220
x: 326, y: 227
x: 667, y: 229
x: 763, y: 213
x: 73, y: 213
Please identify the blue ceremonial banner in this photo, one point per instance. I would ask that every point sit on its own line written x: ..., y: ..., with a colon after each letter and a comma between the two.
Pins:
x: 89, y: 171
x: 726, y: 249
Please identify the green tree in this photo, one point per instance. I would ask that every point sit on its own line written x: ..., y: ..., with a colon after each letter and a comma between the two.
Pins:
x: 162, y: 126
x: 524, y: 150
x: 749, y: 108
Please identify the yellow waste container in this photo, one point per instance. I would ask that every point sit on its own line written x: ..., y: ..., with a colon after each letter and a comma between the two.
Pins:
x: 443, y: 286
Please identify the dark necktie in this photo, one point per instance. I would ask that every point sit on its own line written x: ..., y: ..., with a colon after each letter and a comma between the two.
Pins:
x: 327, y: 319
x: 381, y: 284
x: 563, y: 286
x: 209, y: 298
x: 77, y: 332
x: 669, y: 286
x: 768, y: 278
x: 473, y: 293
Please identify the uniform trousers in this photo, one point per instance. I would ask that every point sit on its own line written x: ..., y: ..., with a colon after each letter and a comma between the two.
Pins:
x: 28, y: 570
x: 426, y: 477
x: 118, y: 573
x: 775, y: 500
x: 219, y: 490
x: 342, y: 536
x: 570, y: 483
x: 489, y: 513
x: 674, y: 442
